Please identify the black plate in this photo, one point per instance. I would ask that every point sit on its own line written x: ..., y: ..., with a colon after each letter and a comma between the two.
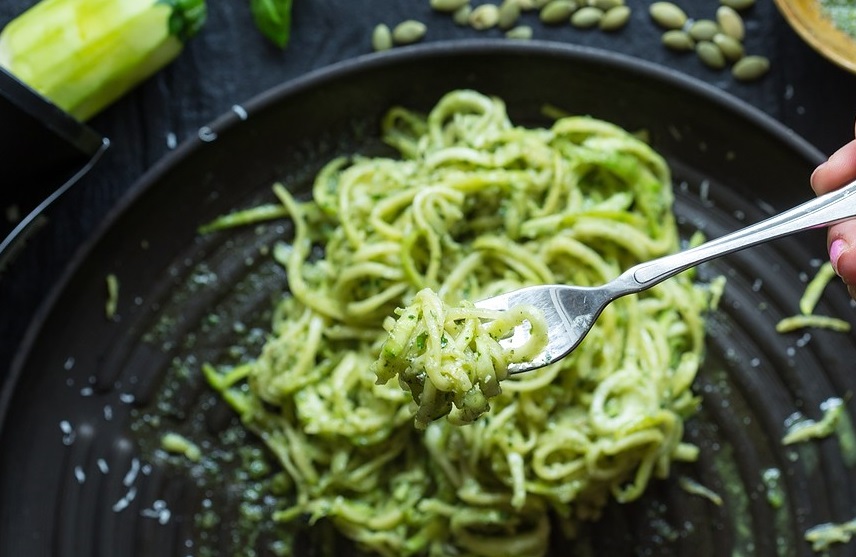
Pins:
x: 79, y: 474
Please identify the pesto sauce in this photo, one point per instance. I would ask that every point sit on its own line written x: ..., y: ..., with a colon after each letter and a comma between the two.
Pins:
x: 846, y: 439
x: 179, y: 431
x: 842, y: 13
x: 801, y: 429
x: 771, y: 477
x: 227, y: 521
x: 736, y: 500
x: 824, y: 536
x: 776, y: 494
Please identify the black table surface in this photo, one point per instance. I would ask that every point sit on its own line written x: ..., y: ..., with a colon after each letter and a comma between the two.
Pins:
x: 230, y: 62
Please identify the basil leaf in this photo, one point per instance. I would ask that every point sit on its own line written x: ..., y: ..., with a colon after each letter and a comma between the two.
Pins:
x: 273, y: 19
x: 187, y: 18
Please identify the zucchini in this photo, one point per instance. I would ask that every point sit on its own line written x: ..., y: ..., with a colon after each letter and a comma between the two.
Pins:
x: 84, y: 54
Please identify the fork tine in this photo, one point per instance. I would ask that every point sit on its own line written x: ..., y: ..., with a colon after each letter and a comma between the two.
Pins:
x: 533, y: 295
x: 500, y: 302
x: 510, y: 299
x: 568, y: 319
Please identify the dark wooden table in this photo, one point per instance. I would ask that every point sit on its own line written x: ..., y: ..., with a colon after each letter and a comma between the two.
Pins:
x: 230, y: 62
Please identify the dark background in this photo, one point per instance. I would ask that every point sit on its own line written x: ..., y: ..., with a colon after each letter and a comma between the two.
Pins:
x: 230, y: 62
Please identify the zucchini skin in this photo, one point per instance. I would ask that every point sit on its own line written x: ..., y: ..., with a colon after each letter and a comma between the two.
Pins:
x: 83, y: 55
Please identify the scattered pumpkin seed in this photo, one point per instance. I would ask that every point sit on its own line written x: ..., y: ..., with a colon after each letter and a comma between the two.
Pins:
x: 587, y: 16
x: 615, y: 18
x: 557, y: 12
x: 710, y: 54
x: 738, y: 5
x: 448, y: 5
x: 750, y: 68
x: 716, y: 42
x: 677, y: 39
x: 509, y: 13
x: 461, y: 16
x: 484, y: 17
x: 408, y: 31
x: 381, y: 37
x: 667, y: 15
x: 529, y: 5
x: 521, y: 32
x: 703, y: 29
x: 730, y: 47
x: 606, y: 5
x: 730, y: 22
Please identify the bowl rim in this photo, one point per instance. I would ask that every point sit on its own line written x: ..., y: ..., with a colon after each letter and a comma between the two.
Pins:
x: 326, y: 75
x: 476, y: 46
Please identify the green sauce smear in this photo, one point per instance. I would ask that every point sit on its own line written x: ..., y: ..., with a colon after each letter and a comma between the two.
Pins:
x: 842, y: 13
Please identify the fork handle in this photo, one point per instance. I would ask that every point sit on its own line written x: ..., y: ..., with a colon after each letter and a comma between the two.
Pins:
x: 821, y: 211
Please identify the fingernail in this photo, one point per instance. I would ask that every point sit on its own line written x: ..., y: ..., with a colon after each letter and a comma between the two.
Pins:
x: 836, y: 248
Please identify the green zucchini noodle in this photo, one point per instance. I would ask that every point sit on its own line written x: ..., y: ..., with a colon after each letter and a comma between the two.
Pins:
x: 449, y: 360
x: 473, y: 206
x: 807, y: 318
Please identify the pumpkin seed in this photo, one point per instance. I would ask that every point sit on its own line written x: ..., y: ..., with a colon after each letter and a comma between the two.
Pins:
x: 703, y: 29
x: 484, y: 17
x: 521, y: 32
x: 750, y: 68
x: 710, y: 54
x: 586, y: 17
x: 557, y: 11
x: 461, y: 16
x: 448, y: 5
x: 730, y: 47
x: 615, y: 18
x: 408, y: 31
x: 529, y: 5
x: 677, y: 39
x: 381, y: 37
x: 509, y: 13
x: 667, y: 15
x: 606, y: 5
x: 738, y: 5
x: 730, y: 22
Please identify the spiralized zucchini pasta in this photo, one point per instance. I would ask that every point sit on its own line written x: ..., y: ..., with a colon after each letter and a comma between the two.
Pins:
x: 449, y: 359
x: 472, y: 206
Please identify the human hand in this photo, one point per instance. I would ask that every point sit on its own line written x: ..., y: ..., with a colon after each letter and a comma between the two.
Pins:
x: 838, y: 170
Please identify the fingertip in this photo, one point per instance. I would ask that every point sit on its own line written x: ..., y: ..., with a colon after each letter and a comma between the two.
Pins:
x: 836, y: 248
x: 844, y: 261
x: 837, y: 170
x: 815, y: 177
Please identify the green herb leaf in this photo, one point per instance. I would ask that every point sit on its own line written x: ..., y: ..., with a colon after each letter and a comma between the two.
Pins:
x: 187, y: 18
x: 421, y: 341
x: 273, y: 19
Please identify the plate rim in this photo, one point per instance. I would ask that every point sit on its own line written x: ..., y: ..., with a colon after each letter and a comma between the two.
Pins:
x: 360, y: 64
x: 820, y: 32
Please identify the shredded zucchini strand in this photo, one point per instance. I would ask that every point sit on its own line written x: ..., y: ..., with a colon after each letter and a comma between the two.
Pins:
x: 475, y: 206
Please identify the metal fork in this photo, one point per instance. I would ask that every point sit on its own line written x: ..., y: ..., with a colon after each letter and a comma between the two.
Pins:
x: 570, y: 311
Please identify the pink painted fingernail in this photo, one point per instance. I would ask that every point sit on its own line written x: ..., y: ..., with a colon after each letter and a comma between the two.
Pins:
x: 835, y: 250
